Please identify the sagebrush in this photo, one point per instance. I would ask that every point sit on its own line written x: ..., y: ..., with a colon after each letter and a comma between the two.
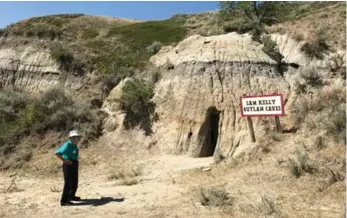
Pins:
x: 136, y: 103
x: 22, y: 115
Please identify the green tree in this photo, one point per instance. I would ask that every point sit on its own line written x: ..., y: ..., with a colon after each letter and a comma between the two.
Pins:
x: 256, y: 14
x: 267, y: 12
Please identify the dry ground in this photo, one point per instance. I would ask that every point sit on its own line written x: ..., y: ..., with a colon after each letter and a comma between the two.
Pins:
x: 258, y: 184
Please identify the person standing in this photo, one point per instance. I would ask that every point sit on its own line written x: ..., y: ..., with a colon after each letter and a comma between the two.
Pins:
x: 68, y: 154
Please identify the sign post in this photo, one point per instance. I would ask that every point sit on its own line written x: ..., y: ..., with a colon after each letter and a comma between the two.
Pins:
x: 250, y: 127
x: 278, y: 124
x: 260, y: 106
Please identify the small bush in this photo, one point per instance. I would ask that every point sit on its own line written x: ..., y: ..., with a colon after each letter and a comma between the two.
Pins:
x: 298, y: 37
x: 308, y: 79
x: 271, y: 48
x: 326, y: 109
x: 239, y: 27
x: 136, y: 103
x: 126, y: 175
x: 110, y: 81
x: 90, y: 33
x: 300, y: 164
x: 12, y: 105
x: 54, y: 110
x: 34, y: 113
x: 66, y: 60
x: 335, y: 123
x: 156, y: 76
x: 318, y: 48
x: 154, y: 47
x: 338, y: 65
x: 267, y: 205
x: 214, y: 197
x: 3, y: 32
x: 312, y: 78
x: 63, y: 114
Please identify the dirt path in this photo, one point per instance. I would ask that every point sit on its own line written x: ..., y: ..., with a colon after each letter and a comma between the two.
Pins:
x: 153, y: 196
x: 169, y: 187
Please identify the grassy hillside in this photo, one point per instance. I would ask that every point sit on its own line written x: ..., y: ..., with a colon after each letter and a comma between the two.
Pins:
x: 102, y: 45
x: 120, y: 47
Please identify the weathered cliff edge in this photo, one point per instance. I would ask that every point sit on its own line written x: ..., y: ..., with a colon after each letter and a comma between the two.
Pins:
x: 200, y: 91
x: 33, y: 69
x: 202, y: 81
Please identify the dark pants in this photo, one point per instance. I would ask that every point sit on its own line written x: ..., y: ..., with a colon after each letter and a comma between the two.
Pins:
x: 70, y: 180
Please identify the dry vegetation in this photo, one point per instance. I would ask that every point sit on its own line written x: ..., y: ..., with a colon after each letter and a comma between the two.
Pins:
x: 125, y: 174
x: 23, y: 116
x: 283, y: 175
x: 329, y: 16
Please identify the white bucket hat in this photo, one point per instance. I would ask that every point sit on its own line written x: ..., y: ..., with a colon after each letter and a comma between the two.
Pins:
x: 73, y: 133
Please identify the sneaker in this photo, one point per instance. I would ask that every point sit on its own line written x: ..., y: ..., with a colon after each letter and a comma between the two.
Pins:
x: 66, y: 203
x: 75, y: 198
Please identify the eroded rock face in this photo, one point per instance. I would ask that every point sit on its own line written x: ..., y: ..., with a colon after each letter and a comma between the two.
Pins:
x: 33, y: 70
x: 210, y: 74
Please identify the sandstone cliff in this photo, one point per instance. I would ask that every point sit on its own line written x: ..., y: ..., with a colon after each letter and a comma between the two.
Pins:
x: 33, y: 69
x: 200, y: 91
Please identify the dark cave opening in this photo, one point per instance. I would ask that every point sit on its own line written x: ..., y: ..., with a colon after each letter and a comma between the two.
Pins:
x: 208, y: 133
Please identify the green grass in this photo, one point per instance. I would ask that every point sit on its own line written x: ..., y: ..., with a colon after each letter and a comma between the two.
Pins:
x: 137, y: 37
x: 90, y: 33
x: 55, y: 20
x: 140, y: 35
x: 136, y: 103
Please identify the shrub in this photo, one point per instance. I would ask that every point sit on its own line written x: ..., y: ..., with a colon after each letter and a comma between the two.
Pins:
x: 154, y: 47
x: 108, y: 84
x: 64, y: 114
x: 124, y: 58
x: 33, y: 114
x: 156, y: 76
x: 308, y: 79
x: 12, y: 105
x: 110, y: 81
x: 136, y: 103
x: 318, y: 48
x: 214, y: 197
x: 335, y: 123
x: 299, y: 164
x: 54, y: 110
x: 3, y: 32
x: 312, y: 78
x: 338, y: 65
x: 268, y: 205
x: 327, y: 110
x: 66, y: 60
x: 14, y: 99
x: 271, y: 48
x: 298, y: 37
x: 239, y: 27
x: 90, y: 33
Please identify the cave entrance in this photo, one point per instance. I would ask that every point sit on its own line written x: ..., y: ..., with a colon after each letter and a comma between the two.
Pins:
x: 208, y: 133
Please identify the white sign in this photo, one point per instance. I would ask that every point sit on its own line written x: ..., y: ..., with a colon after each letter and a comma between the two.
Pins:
x: 264, y: 105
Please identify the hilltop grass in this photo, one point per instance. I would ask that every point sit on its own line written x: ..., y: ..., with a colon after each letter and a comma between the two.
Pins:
x: 46, y: 27
x: 90, y: 33
x: 137, y: 37
x: 103, y: 46
x: 140, y: 35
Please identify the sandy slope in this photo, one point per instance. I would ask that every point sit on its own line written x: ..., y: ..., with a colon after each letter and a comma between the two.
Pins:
x: 153, y: 196
x: 169, y: 186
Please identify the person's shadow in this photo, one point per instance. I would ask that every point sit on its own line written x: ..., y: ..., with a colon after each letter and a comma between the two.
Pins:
x: 98, y: 202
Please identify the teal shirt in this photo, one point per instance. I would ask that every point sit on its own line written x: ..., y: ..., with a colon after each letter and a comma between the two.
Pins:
x: 68, y: 151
